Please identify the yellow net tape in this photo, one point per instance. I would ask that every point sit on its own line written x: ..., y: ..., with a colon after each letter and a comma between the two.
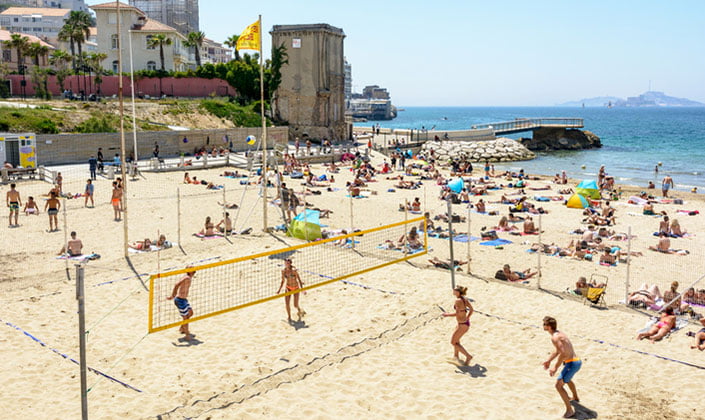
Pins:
x: 225, y: 286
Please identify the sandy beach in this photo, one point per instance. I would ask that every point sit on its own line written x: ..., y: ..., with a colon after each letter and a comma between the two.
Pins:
x: 362, y: 352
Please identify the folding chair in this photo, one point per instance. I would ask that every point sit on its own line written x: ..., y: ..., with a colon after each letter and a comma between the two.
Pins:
x: 596, y: 295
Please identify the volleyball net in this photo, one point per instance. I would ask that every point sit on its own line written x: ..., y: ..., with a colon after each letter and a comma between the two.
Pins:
x: 225, y: 286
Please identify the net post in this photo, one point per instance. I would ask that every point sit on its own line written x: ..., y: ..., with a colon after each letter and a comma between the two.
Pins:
x: 66, y: 233
x: 225, y: 230
x: 450, y: 236
x: 406, y: 218
x: 82, y: 340
x: 469, y: 224
x: 305, y: 231
x: 629, y: 262
x: 352, y: 228
x: 178, y: 215
x: 538, y: 282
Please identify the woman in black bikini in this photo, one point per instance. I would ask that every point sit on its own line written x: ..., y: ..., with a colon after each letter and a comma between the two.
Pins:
x: 463, y: 311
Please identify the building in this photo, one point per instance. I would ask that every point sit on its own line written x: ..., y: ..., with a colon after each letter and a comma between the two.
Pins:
x: 348, y: 80
x: 136, y: 25
x: 77, y: 5
x: 375, y: 92
x: 43, y: 23
x: 311, y: 97
x: 179, y: 14
x: 215, y: 52
x: 9, y: 55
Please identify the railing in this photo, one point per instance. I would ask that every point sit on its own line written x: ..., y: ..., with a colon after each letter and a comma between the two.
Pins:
x: 524, y: 124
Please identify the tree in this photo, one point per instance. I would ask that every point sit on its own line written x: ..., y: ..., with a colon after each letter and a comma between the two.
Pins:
x: 273, y: 75
x: 76, y: 31
x: 21, y: 44
x: 36, y: 50
x: 232, y: 43
x: 59, y: 59
x: 195, y: 40
x: 95, y: 61
x: 159, y: 40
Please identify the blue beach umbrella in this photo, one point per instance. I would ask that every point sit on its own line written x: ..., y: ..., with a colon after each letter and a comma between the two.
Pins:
x: 588, y: 188
x: 456, y: 185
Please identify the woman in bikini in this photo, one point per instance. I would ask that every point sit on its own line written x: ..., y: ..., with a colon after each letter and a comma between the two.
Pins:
x: 208, y: 228
x: 290, y: 277
x: 463, y: 311
x: 661, y: 328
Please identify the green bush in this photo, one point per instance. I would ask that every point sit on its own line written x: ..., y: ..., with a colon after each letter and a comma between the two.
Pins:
x: 97, y: 124
x: 47, y: 126
x: 242, y: 116
x: 4, y: 126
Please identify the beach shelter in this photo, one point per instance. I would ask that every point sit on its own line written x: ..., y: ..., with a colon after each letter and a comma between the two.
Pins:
x: 588, y: 188
x: 306, y: 225
x: 456, y: 185
x: 577, y: 201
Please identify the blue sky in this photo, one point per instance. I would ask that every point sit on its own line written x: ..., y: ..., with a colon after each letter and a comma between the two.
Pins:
x: 499, y: 53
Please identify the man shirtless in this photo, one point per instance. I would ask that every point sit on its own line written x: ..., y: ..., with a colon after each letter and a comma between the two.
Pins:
x: 226, y: 225
x: 52, y: 207
x: 74, y: 247
x: 666, y: 185
x: 14, y: 202
x: 180, y: 296
x: 116, y: 200
x: 564, y: 354
x: 291, y: 277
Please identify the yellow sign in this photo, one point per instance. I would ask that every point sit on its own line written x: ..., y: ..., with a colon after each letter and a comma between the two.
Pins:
x: 249, y: 38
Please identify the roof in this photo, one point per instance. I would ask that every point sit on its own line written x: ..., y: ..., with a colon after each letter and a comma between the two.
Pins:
x: 5, y: 35
x: 113, y: 5
x: 313, y: 27
x: 28, y: 11
x: 152, y: 25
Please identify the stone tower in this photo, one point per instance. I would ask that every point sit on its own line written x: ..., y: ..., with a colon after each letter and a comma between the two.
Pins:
x: 311, y: 97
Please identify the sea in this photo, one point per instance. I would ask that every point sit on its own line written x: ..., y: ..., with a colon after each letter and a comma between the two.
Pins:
x: 634, y: 140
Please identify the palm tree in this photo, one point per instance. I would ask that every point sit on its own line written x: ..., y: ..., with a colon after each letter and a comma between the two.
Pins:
x: 36, y: 50
x: 195, y: 40
x: 95, y: 60
x: 59, y: 59
x: 159, y: 40
x: 76, y: 31
x: 232, y: 43
x: 21, y: 44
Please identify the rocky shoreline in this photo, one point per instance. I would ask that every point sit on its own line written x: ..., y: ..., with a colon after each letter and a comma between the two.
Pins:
x: 548, y: 139
x: 498, y: 150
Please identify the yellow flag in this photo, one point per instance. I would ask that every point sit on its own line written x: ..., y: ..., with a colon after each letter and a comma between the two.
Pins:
x: 249, y: 38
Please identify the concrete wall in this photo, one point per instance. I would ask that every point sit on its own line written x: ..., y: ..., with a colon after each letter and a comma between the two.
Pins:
x: 189, y: 87
x: 56, y: 149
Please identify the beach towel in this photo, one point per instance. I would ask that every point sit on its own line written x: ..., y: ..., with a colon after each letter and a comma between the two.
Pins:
x: 391, y: 190
x: 680, y: 323
x: 496, y: 242
x: 688, y: 212
x: 152, y: 248
x: 541, y: 198
x: 82, y: 257
x: 359, y: 196
x: 557, y: 198
x: 296, y: 175
x: 202, y: 236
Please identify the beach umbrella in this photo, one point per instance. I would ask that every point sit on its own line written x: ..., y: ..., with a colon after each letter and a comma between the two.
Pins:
x: 456, y: 185
x: 588, y: 188
x: 306, y: 225
x: 577, y: 201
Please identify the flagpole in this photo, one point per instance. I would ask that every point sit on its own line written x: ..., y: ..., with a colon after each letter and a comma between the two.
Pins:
x: 264, y: 129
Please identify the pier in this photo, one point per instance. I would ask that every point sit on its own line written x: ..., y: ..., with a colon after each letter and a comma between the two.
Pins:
x: 519, y: 125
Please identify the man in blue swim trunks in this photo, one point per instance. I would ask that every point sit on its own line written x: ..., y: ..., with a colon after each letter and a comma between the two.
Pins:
x: 564, y: 354
x: 180, y: 296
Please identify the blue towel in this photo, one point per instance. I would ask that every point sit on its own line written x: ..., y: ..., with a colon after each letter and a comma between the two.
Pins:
x: 496, y: 242
x: 391, y: 190
x: 539, y: 198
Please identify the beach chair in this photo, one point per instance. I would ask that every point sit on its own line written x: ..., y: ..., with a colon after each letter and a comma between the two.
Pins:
x: 596, y: 295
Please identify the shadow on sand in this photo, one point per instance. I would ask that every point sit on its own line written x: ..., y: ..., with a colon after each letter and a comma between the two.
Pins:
x: 582, y: 412
x: 476, y: 370
x: 183, y: 342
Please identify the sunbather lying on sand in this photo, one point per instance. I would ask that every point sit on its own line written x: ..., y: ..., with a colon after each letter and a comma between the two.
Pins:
x: 517, y: 275
x: 661, y: 328
x: 445, y: 264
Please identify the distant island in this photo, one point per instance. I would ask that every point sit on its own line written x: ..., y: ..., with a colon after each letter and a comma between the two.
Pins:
x: 646, y: 99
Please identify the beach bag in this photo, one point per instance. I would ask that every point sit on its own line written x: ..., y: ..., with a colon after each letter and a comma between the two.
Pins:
x: 499, y: 275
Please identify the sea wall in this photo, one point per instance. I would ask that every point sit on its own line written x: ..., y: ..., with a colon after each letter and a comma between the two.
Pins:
x: 547, y: 139
x: 499, y: 150
x: 59, y: 149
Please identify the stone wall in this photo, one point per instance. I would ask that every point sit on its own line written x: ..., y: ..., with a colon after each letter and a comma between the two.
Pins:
x: 547, y: 139
x: 499, y: 150
x: 58, y: 149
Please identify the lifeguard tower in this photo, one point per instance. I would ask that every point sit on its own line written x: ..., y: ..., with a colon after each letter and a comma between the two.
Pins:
x: 19, y: 149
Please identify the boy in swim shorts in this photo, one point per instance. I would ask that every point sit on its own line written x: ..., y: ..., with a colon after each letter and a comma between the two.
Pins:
x: 564, y: 354
x: 180, y: 296
x: 13, y: 202
x: 115, y: 200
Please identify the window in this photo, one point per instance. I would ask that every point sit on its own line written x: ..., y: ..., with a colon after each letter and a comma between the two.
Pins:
x: 115, y: 66
x: 112, y: 18
x: 148, y: 38
x: 151, y: 65
x: 7, y: 55
x: 114, y: 41
x: 17, y: 19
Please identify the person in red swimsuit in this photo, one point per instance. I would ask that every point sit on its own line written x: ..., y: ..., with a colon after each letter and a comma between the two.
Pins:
x: 290, y: 277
